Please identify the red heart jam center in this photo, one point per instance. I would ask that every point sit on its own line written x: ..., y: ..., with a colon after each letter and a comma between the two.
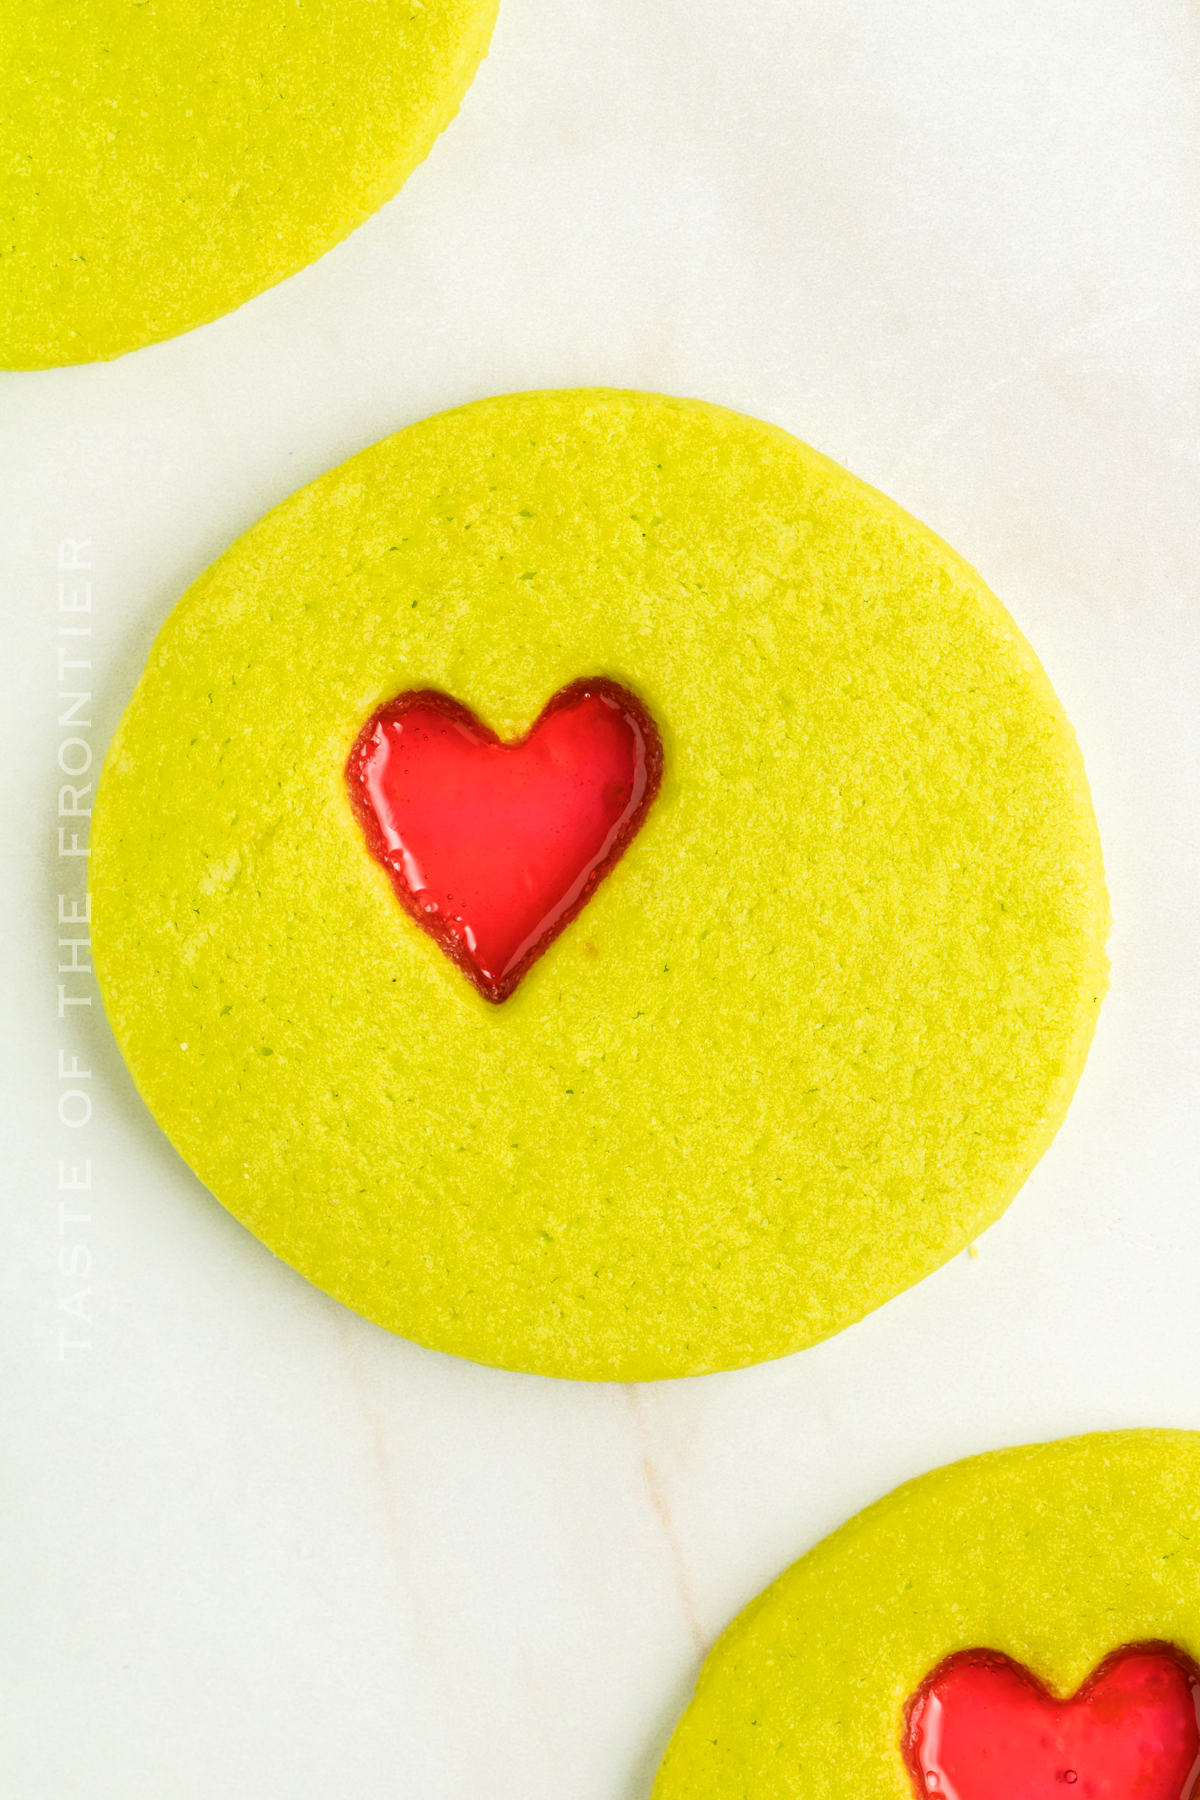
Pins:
x: 493, y: 848
x: 981, y: 1727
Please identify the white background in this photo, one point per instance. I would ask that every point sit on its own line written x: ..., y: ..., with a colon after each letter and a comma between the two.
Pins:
x: 260, y: 1550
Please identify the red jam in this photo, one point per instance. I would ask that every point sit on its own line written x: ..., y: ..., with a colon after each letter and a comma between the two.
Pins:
x: 493, y: 848
x: 981, y: 1727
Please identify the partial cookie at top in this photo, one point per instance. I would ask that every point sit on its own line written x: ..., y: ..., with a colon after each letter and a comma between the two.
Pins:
x: 165, y: 161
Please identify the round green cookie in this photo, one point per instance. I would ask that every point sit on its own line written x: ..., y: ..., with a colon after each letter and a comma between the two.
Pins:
x: 1054, y: 1555
x: 804, y: 1042
x: 164, y: 161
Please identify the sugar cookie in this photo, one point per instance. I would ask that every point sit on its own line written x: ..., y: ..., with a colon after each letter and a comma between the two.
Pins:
x: 1022, y: 1623
x: 808, y: 1035
x: 165, y: 161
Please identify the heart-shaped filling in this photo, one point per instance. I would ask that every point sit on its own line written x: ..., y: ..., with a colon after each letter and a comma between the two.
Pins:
x: 493, y: 848
x: 981, y: 1727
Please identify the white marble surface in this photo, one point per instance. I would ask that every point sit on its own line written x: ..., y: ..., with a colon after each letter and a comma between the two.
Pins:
x: 258, y: 1549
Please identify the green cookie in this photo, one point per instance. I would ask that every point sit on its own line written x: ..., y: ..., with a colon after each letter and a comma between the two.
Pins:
x: 1054, y: 1555
x: 164, y: 161
x: 802, y: 1045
